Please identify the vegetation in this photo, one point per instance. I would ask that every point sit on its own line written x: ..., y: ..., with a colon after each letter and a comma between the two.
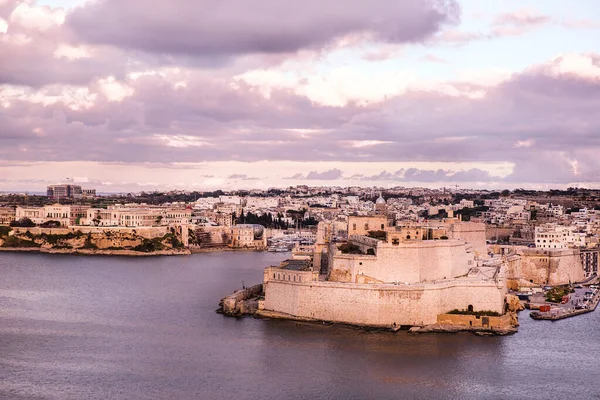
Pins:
x: 349, y: 248
x: 50, y: 224
x: 16, y: 242
x: 55, y: 238
x: 556, y: 294
x: 149, y: 245
x: 88, y: 243
x: 4, y: 230
x: 265, y: 220
x: 23, y: 223
x: 483, y: 313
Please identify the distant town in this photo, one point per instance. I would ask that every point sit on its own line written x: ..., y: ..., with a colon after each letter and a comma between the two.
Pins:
x: 553, y: 219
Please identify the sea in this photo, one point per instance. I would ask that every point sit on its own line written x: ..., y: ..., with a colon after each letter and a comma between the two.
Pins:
x: 87, y: 327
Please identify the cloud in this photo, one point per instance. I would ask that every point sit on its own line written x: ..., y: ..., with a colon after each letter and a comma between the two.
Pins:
x: 203, y: 28
x: 328, y: 175
x: 37, y: 49
x: 518, y: 23
x: 547, y: 112
x: 243, y: 177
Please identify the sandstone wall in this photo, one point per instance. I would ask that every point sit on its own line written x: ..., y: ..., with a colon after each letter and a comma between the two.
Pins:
x: 380, y: 305
x: 408, y: 262
x: 504, y: 321
x: 472, y: 232
x: 548, y: 267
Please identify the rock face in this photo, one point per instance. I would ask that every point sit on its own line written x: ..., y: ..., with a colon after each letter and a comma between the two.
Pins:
x: 98, y: 242
x: 514, y: 304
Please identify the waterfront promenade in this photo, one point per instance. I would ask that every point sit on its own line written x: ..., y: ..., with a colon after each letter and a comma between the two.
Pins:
x: 569, y: 309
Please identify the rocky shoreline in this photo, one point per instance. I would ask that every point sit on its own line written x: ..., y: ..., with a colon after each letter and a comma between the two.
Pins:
x: 96, y: 252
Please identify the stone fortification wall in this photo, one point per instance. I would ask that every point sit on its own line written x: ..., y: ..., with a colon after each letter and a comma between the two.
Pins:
x: 381, y: 305
x: 471, y: 232
x: 503, y: 321
x: 547, y: 267
x: 234, y: 303
x: 407, y: 262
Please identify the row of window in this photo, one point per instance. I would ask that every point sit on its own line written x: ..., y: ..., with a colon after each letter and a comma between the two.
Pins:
x: 287, y: 277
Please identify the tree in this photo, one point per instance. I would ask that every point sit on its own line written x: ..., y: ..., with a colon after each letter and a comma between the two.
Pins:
x: 23, y: 223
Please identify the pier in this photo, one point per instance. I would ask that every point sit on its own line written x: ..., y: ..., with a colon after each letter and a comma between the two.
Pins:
x: 563, y: 312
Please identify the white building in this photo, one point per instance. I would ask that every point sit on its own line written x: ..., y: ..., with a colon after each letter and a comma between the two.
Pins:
x: 552, y: 236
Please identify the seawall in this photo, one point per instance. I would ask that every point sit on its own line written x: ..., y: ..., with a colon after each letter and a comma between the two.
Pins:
x: 379, y: 305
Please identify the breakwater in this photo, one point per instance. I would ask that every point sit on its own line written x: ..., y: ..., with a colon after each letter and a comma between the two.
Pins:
x: 240, y: 302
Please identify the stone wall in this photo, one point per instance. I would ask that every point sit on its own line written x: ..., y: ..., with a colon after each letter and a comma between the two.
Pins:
x: 502, y: 322
x: 546, y: 267
x: 471, y: 232
x: 234, y: 303
x: 381, y: 305
x: 407, y: 262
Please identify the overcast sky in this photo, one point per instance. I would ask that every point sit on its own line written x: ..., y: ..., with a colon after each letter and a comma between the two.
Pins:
x: 194, y: 94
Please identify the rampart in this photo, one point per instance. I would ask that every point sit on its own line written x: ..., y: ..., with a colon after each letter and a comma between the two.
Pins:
x: 381, y: 304
x: 405, y: 262
x: 545, y: 267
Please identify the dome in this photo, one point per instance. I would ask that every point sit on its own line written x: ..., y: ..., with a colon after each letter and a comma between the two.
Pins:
x: 380, y: 200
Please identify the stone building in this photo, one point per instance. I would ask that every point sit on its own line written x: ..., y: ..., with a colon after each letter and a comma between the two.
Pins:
x: 404, y: 278
x: 7, y: 215
x: 248, y: 236
x: 361, y: 225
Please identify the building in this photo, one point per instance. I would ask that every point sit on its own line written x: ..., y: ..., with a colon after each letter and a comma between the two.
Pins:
x: 388, y: 281
x: 57, y: 192
x: 36, y: 214
x: 248, y: 236
x: 7, y: 215
x: 552, y: 236
x: 361, y: 225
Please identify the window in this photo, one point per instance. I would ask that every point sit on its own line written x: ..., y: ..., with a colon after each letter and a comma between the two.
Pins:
x: 366, y: 227
x: 395, y: 241
x: 382, y: 227
x: 353, y: 227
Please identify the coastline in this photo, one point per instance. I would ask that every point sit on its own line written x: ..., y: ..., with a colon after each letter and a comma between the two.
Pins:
x: 95, y: 252
x: 124, y: 252
x: 198, y: 250
x: 435, y: 328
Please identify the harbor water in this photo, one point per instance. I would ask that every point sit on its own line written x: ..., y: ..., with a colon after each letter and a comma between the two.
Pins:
x: 85, y: 327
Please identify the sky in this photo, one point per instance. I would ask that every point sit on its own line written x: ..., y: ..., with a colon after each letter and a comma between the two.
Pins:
x: 140, y: 95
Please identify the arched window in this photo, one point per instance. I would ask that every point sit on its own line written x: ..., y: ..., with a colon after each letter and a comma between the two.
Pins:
x: 470, y: 308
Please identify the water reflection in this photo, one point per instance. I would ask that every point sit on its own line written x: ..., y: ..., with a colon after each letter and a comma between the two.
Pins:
x: 127, y: 328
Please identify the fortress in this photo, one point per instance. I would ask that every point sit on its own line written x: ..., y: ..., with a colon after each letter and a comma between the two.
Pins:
x: 390, y: 276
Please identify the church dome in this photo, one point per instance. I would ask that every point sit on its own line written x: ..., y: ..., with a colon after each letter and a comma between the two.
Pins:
x: 380, y: 200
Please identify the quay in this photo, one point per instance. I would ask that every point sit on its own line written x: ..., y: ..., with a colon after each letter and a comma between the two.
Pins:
x: 559, y: 313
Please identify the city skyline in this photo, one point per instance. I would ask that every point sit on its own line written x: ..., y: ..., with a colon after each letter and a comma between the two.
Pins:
x: 143, y: 95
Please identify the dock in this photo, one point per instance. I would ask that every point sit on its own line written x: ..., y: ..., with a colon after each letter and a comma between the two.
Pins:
x: 557, y: 314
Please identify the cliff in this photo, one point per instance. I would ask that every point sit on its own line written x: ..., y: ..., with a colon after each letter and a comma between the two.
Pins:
x: 107, y: 242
